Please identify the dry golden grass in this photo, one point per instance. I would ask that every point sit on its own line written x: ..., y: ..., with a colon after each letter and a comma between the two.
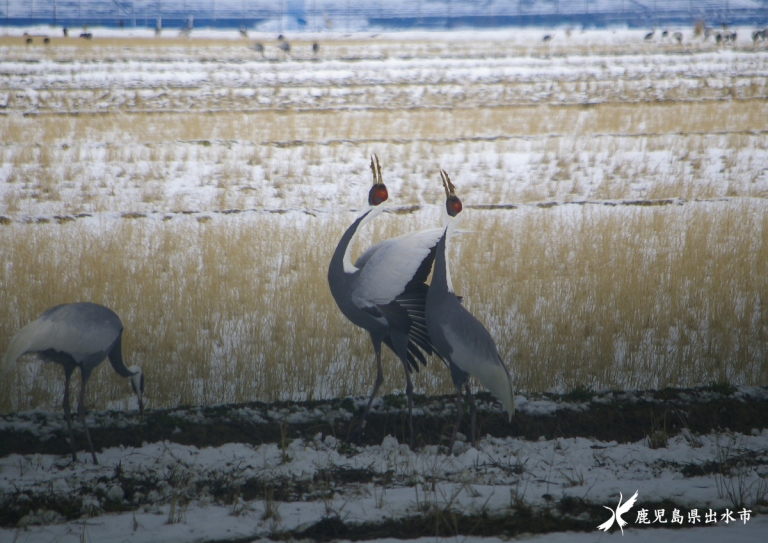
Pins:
x: 238, y: 309
x: 649, y: 297
x: 388, y: 125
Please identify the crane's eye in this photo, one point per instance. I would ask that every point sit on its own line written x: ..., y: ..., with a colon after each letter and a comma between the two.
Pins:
x: 377, y: 195
x: 453, y: 205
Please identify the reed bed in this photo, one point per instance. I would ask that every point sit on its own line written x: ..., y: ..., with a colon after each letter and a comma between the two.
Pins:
x: 237, y: 309
x: 291, y: 126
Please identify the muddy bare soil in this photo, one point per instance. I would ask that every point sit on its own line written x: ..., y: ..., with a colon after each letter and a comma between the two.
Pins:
x: 618, y: 416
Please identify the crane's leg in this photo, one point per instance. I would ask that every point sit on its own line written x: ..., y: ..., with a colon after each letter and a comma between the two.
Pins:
x: 81, y: 410
x: 458, y: 421
x: 473, y: 413
x: 409, y: 393
x: 67, y: 375
x: 358, y: 432
x: 399, y: 344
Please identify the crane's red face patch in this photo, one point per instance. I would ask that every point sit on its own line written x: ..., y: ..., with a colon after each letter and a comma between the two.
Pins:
x: 377, y: 195
x: 453, y: 205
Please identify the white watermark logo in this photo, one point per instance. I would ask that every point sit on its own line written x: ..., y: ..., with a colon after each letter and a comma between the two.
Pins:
x: 659, y: 514
x: 616, y: 515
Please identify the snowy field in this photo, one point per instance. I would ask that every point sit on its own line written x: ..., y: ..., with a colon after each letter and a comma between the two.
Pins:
x: 305, y: 483
x: 615, y: 194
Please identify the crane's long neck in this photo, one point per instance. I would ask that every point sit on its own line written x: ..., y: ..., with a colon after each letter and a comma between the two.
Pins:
x: 341, y: 261
x: 441, y: 275
x: 116, y: 357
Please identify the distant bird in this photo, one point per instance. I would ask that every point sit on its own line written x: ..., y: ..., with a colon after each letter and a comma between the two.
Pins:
x: 46, y: 40
x: 384, y: 292
x: 29, y: 41
x: 678, y: 37
x: 460, y: 339
x: 315, y: 48
x: 283, y: 45
x: 616, y: 515
x: 243, y: 32
x: 546, y: 38
x: 78, y: 335
x: 65, y: 31
x: 86, y: 35
x: 718, y: 38
x: 732, y: 37
x: 664, y: 34
x: 186, y: 30
x: 759, y: 35
x: 259, y: 48
x: 649, y: 36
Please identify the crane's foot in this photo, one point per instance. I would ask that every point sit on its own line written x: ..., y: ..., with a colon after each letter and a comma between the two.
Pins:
x: 355, y: 436
x: 457, y: 424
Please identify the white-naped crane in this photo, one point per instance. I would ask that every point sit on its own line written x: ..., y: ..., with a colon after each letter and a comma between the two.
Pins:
x: 384, y: 292
x: 283, y: 45
x: 78, y: 335
x: 258, y: 47
x: 460, y: 339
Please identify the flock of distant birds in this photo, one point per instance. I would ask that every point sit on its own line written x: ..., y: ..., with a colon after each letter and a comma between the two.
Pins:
x: 720, y: 37
x: 384, y: 292
x: 186, y: 30
x: 282, y: 45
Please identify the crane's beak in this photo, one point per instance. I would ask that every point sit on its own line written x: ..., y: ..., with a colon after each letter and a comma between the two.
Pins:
x: 376, y: 169
x: 450, y: 190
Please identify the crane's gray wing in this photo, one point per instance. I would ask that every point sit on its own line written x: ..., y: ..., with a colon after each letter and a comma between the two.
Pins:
x: 79, y: 329
x: 363, y: 258
x: 389, y: 266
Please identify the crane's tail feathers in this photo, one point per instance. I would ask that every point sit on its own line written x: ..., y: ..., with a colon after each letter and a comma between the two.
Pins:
x: 415, y: 355
x: 409, y: 353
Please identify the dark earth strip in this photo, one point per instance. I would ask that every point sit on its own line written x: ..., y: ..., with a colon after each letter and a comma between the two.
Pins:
x: 655, y: 414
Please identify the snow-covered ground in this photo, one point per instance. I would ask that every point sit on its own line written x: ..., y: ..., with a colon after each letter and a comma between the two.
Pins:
x: 183, y: 131
x: 166, y: 491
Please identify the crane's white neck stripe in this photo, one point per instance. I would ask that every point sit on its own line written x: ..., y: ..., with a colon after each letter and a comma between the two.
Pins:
x: 369, y: 213
x: 450, y: 224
